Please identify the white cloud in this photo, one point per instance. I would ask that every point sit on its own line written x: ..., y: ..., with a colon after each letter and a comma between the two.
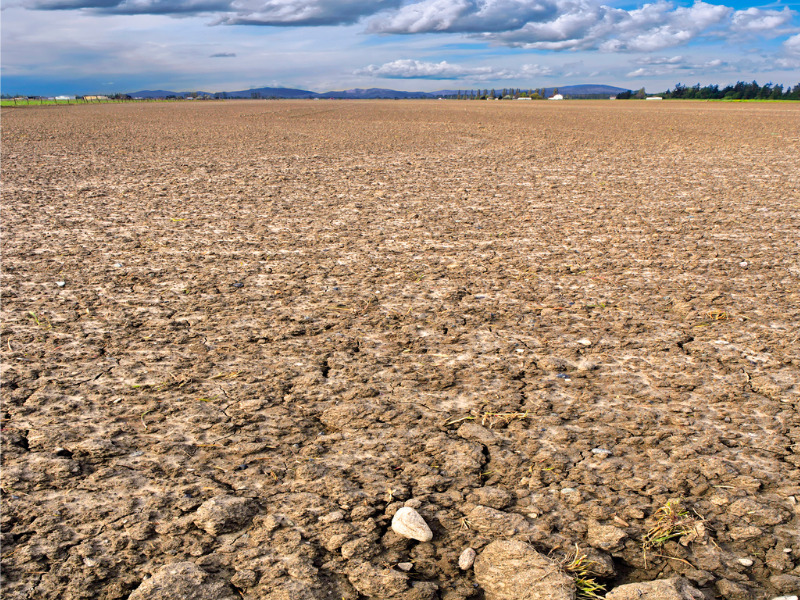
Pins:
x: 660, y: 60
x: 676, y: 66
x: 530, y: 24
x: 416, y: 69
x: 559, y: 24
x: 792, y: 45
x: 465, y: 16
x: 301, y: 12
x: 760, y: 20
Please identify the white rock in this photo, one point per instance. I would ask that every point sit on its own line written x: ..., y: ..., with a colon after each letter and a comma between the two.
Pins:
x: 61, y: 283
x: 408, y: 523
x: 406, y: 566
x: 585, y: 341
x: 743, y: 263
x: 466, y: 559
x: 746, y: 562
x: 785, y: 598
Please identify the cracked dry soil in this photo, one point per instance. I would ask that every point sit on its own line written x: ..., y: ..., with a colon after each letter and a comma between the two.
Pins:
x: 539, y: 322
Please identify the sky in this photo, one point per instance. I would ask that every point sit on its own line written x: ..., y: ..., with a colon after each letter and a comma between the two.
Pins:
x: 52, y: 47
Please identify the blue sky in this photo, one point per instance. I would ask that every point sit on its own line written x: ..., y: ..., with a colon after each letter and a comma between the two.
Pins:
x: 102, y: 46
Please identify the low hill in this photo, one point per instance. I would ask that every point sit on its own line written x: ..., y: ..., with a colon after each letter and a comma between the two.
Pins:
x: 370, y: 93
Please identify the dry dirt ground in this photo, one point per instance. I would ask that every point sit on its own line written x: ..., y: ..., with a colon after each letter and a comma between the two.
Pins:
x: 552, y: 322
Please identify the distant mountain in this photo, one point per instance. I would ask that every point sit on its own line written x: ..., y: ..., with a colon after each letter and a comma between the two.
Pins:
x: 270, y: 92
x: 371, y: 93
x: 590, y: 89
x: 153, y: 94
x: 264, y: 92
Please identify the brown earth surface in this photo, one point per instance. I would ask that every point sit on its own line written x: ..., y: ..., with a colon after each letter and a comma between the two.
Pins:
x: 547, y: 322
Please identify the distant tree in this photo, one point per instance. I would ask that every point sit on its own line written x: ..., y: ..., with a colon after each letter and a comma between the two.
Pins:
x: 641, y: 94
x: 626, y: 95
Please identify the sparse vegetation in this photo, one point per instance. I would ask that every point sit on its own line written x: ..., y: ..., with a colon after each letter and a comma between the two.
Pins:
x: 672, y: 521
x: 580, y: 568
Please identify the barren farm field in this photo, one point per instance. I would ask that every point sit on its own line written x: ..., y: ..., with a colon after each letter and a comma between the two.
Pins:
x: 241, y: 341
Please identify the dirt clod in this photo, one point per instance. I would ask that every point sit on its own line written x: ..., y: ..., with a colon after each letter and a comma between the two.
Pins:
x: 183, y: 581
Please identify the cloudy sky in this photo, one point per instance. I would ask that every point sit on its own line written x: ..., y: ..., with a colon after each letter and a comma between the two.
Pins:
x: 102, y: 46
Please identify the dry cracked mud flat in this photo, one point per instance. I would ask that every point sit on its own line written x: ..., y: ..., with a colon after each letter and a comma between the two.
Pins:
x: 238, y: 337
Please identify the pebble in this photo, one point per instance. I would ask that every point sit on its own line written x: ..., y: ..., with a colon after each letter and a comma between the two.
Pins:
x: 405, y: 566
x: 743, y: 263
x: 746, y: 562
x: 466, y: 559
x: 585, y: 342
x: 785, y: 598
x: 601, y: 452
x: 408, y: 523
x: 118, y: 265
x: 238, y: 284
x: 61, y: 283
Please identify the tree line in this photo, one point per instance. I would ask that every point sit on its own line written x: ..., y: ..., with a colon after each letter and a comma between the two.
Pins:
x: 739, y: 91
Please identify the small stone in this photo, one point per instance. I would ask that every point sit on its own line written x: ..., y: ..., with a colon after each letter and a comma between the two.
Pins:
x: 408, y: 523
x: 238, y: 284
x: 405, y: 566
x: 785, y: 598
x: 746, y: 562
x: 601, y: 452
x: 585, y: 342
x: 61, y: 283
x: 466, y: 559
x: 118, y: 265
x: 743, y: 263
